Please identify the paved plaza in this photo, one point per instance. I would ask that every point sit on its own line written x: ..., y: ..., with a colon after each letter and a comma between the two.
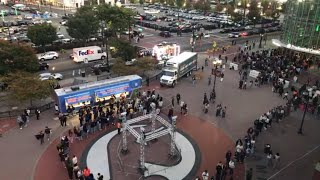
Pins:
x: 211, y: 137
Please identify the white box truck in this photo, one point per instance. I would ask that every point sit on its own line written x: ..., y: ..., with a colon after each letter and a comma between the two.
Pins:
x: 86, y: 54
x: 177, y: 67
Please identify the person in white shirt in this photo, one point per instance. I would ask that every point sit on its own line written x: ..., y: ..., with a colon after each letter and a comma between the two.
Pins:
x: 205, y: 175
x: 276, y: 161
x: 231, y: 166
x: 75, y: 160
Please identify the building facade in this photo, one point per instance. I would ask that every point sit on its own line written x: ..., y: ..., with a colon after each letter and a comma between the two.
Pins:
x: 301, y: 26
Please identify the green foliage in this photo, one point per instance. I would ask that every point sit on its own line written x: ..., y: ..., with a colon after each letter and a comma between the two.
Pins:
x: 202, y: 5
x: 42, y: 34
x: 219, y: 7
x: 236, y: 16
x: 123, y: 49
x: 254, y: 11
x: 17, y: 57
x: 27, y: 86
x: 121, y: 69
x: 230, y: 9
x: 180, y: 3
x: 116, y: 19
x: 140, y: 66
x: 82, y: 26
x: 188, y: 5
x: 141, y: 2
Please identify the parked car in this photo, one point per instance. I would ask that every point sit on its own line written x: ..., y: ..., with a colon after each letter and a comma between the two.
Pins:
x: 48, y: 56
x: 101, y: 67
x: 63, y: 22
x: 48, y: 76
x: 247, y: 33
x: 165, y: 34
x: 43, y: 66
x: 234, y: 35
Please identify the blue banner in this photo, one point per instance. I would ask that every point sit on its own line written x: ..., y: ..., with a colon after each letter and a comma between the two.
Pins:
x: 101, y: 93
x: 79, y: 98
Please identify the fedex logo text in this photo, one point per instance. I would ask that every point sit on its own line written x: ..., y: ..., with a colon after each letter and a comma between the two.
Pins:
x: 86, y: 52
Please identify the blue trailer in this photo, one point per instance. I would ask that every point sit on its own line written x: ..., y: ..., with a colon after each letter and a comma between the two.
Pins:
x: 91, y: 93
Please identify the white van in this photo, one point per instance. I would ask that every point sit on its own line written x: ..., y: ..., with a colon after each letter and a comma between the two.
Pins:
x: 86, y: 54
x: 19, y: 6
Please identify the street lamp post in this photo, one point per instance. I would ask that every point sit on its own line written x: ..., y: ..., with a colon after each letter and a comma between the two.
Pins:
x: 244, y: 12
x: 306, y: 103
x: 254, y: 21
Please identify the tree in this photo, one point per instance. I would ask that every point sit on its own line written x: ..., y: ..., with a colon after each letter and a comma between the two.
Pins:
x: 254, y: 12
x: 27, y: 86
x: 180, y: 3
x: 219, y: 7
x: 202, y: 5
x: 121, y: 69
x: 272, y: 11
x: 236, y: 16
x: 123, y: 49
x: 230, y: 9
x: 17, y: 57
x: 42, y: 34
x: 188, y: 4
x: 145, y: 64
x: 141, y: 2
x: 115, y: 18
x: 82, y: 25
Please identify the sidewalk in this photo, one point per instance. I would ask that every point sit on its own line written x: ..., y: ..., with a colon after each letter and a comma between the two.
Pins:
x: 20, y: 150
x: 298, y: 153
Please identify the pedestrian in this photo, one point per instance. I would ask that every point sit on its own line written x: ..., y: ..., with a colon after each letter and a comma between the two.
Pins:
x: 202, y: 68
x: 219, y: 168
x: 218, y: 110
x: 119, y: 127
x: 47, y: 131
x: 206, y: 106
x: 40, y: 137
x: 147, y: 80
x: 276, y: 161
x: 185, y: 108
x: 75, y: 160
x: 56, y: 107
x: 178, y: 96
x: 209, y: 80
x: 221, y: 76
x: 269, y: 160
x: 181, y: 107
x: 223, y: 112
x: 193, y: 79
x: 231, y: 167
x: 244, y: 85
x: 228, y: 157
x: 205, y: 175
x: 249, y: 174
x: 37, y: 113
x: 100, y: 177
x: 286, y: 95
x: 20, y: 122
x: 172, y: 101
x: 240, y: 84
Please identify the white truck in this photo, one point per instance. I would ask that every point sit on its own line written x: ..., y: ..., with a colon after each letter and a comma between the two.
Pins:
x: 86, y: 54
x: 177, y: 67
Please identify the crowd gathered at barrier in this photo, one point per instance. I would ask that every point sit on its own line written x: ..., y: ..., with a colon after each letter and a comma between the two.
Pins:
x: 93, y: 119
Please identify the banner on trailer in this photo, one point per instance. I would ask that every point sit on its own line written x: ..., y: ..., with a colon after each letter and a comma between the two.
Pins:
x: 113, y: 90
x: 78, y: 98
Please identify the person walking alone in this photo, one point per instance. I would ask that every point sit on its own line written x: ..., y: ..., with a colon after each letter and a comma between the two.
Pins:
x: 47, y: 131
x: 209, y: 80
x: 119, y: 127
x: 37, y: 113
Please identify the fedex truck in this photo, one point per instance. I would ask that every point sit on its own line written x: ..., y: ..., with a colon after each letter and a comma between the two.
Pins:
x: 86, y: 54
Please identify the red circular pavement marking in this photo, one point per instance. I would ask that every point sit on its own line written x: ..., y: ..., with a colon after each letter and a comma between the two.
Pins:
x: 212, y: 142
